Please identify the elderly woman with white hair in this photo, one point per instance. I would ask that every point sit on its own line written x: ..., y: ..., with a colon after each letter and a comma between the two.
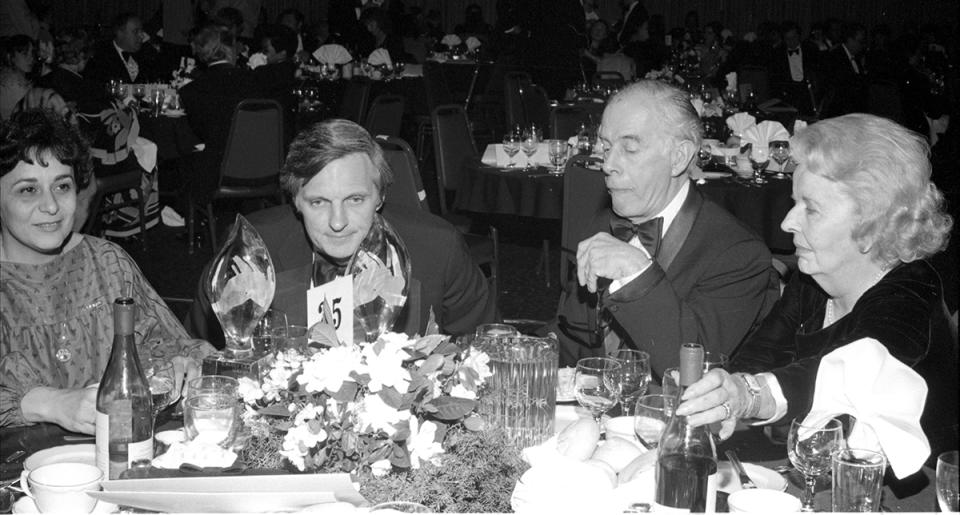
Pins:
x: 866, y: 217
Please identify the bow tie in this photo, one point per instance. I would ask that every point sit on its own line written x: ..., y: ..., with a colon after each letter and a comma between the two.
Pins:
x: 795, y: 51
x: 647, y: 232
x: 324, y: 271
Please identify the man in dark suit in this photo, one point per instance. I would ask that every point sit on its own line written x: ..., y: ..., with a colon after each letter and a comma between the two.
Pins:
x: 338, y: 179
x: 844, y: 74
x: 121, y: 58
x: 276, y: 79
x: 792, y: 66
x: 671, y: 267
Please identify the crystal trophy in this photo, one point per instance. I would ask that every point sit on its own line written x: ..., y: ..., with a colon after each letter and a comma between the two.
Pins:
x: 240, y: 285
x: 381, y: 282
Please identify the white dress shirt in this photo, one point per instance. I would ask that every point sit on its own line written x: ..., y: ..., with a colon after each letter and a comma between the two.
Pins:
x: 796, y: 64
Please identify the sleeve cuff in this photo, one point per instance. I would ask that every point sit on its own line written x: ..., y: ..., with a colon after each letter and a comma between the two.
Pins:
x: 780, y: 402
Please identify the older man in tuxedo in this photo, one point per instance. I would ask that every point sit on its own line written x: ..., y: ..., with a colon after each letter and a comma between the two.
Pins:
x: 667, y: 265
x: 120, y: 58
x: 338, y: 180
x: 792, y: 66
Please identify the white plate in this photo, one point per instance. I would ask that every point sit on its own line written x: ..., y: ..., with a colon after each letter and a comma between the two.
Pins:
x: 716, y: 175
x: 217, y: 502
x: 170, y: 113
x: 26, y: 505
x: 76, y: 453
x: 762, y: 477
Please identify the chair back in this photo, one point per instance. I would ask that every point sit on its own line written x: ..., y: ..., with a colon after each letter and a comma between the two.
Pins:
x: 385, y: 115
x: 537, y: 106
x: 453, y: 146
x: 565, y: 120
x: 515, y: 86
x: 584, y: 193
x: 254, y: 151
x: 355, y: 99
x: 883, y: 99
x: 435, y: 86
x: 758, y: 79
x: 609, y: 72
x: 407, y: 188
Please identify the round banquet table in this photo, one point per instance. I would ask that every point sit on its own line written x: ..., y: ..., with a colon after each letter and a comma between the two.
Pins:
x: 537, y: 193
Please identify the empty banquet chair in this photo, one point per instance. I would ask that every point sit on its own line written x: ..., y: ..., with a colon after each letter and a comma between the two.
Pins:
x: 407, y: 185
x: 356, y: 96
x: 536, y: 104
x: 251, y: 161
x: 437, y: 93
x: 565, y: 120
x: 385, y: 115
x: 611, y: 78
x: 454, y: 147
x: 584, y: 194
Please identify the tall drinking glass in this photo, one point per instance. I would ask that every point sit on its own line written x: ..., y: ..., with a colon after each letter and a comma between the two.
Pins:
x: 857, y: 480
x: 596, y: 385
x: 810, y: 449
x: 557, y: 151
x: 947, y: 487
x: 634, y: 375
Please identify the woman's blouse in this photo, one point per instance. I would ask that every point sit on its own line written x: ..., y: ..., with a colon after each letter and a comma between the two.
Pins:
x: 56, y: 321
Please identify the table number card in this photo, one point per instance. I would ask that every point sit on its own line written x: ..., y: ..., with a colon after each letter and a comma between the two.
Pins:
x: 333, y: 303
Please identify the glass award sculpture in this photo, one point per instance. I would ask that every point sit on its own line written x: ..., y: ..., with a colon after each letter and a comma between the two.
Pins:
x: 240, y: 285
x: 381, y: 282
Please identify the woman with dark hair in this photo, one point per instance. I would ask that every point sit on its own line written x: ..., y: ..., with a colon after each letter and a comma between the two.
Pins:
x: 72, y: 53
x: 600, y: 42
x: 56, y: 323
x: 866, y: 219
x: 18, y: 60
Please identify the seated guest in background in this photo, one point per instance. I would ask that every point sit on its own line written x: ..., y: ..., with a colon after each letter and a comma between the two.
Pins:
x: 712, y: 52
x: 232, y: 19
x: 380, y: 34
x: 66, y: 78
x: 685, y: 269
x: 118, y: 59
x: 845, y: 77
x: 210, y: 101
x: 599, y: 44
x: 293, y: 19
x: 474, y: 25
x: 56, y: 322
x: 792, y: 65
x: 19, y: 58
x: 865, y: 220
x: 338, y: 179
x: 277, y: 78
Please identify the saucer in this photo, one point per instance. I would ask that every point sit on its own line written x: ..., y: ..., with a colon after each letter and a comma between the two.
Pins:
x: 27, y: 505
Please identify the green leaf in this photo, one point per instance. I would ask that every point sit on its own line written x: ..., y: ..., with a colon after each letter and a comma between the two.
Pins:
x: 432, y: 327
x: 400, y: 458
x: 403, y: 431
x: 427, y: 344
x: 449, y: 366
x: 431, y: 364
x: 346, y: 393
x: 474, y: 423
x: 448, y: 348
x: 391, y: 397
x: 451, y: 408
x: 276, y: 410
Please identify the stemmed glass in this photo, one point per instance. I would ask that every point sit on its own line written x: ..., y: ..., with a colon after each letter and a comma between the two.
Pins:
x: 780, y: 152
x: 947, y: 488
x: 634, y: 375
x: 596, y: 385
x: 759, y: 159
x: 557, y: 150
x: 511, y: 145
x: 530, y: 143
x: 139, y: 92
x: 650, y: 417
x: 117, y: 90
x: 159, y: 372
x: 810, y: 449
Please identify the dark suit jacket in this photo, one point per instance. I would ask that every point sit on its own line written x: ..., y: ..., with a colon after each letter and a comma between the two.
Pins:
x: 85, y: 93
x: 780, y: 64
x: 846, y: 89
x: 445, y: 278
x: 904, y: 312
x: 626, y: 30
x: 720, y: 283
x: 107, y: 65
x: 276, y: 82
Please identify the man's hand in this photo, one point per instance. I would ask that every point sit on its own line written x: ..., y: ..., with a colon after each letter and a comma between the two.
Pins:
x: 74, y: 409
x: 603, y: 255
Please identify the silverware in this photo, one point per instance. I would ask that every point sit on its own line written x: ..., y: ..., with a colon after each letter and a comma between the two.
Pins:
x: 745, y: 480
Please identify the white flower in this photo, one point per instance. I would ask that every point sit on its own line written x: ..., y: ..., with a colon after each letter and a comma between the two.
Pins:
x: 479, y: 361
x: 462, y: 392
x: 422, y: 444
x: 250, y: 390
x: 375, y: 415
x: 386, y: 368
x: 301, y: 437
x: 328, y: 370
x: 380, y: 468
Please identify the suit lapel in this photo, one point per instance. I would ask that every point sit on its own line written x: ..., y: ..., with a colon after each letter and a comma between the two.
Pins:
x: 680, y: 228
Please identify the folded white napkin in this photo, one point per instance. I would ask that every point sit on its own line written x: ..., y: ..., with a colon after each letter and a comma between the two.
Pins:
x: 495, y: 156
x: 740, y: 122
x: 380, y: 56
x: 332, y: 54
x: 763, y: 133
x: 146, y: 153
x: 862, y: 379
x: 257, y: 60
x: 473, y: 43
x: 195, y: 452
x: 732, y: 81
x: 451, y: 40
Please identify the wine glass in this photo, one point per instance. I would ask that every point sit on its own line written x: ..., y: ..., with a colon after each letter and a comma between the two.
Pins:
x: 759, y: 159
x: 511, y: 145
x: 634, y: 375
x: 810, y: 449
x: 139, y: 92
x: 650, y: 416
x: 163, y: 390
x: 270, y: 332
x: 947, y: 491
x: 530, y: 143
x: 596, y: 385
x: 117, y: 90
x: 780, y: 152
x: 557, y: 150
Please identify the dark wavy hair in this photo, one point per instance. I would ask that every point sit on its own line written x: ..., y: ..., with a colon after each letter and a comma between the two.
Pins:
x: 34, y: 135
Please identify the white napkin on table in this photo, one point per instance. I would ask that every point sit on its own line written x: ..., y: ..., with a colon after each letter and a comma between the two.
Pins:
x: 473, y: 43
x: 740, y: 122
x: 146, y: 153
x: 495, y: 156
x: 196, y: 452
x: 257, y: 60
x: 451, y: 40
x: 886, y: 397
x: 380, y: 56
x: 732, y: 81
x: 332, y: 54
x: 761, y: 134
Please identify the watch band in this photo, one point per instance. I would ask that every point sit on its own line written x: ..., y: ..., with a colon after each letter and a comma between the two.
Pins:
x: 754, y: 389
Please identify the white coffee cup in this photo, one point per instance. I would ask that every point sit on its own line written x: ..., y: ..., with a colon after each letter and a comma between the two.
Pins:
x: 762, y: 500
x: 63, y: 487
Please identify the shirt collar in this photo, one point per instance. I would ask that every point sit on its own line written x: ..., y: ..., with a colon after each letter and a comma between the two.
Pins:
x: 670, y: 212
x: 119, y: 50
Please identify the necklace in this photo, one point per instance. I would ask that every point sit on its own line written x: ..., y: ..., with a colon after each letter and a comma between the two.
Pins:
x: 829, y: 316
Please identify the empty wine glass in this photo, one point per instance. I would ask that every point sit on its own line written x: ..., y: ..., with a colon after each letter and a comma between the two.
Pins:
x: 511, y: 145
x: 811, y: 449
x: 947, y: 485
x: 780, y: 152
x: 596, y: 385
x: 557, y: 151
x: 650, y: 416
x: 139, y: 92
x: 530, y: 143
x: 634, y: 375
x: 759, y: 159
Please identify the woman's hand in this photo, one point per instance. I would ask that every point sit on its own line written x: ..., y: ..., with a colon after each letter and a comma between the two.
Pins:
x: 187, y: 364
x: 74, y: 409
x: 716, y: 397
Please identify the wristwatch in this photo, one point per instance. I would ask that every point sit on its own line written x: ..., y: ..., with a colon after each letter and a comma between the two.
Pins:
x: 754, y: 389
